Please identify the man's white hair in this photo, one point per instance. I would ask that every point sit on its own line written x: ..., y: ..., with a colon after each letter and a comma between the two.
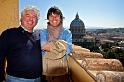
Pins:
x: 35, y: 9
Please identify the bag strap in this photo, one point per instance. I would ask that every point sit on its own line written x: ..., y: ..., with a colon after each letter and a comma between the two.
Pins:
x: 31, y: 38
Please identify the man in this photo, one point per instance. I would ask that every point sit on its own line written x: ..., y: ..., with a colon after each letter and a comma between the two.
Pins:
x: 21, y: 50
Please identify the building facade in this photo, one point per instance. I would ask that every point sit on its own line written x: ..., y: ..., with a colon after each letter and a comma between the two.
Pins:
x: 9, y: 15
x: 77, y: 28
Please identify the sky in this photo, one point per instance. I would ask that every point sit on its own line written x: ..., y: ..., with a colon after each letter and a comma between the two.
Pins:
x: 94, y: 13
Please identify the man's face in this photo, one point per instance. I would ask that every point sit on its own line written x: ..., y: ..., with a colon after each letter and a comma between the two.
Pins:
x: 29, y: 20
x: 54, y: 20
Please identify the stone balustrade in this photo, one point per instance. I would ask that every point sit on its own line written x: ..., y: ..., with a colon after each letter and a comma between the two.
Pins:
x: 104, y: 70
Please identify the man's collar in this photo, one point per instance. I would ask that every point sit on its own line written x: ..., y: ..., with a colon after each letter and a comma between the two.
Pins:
x: 26, y: 29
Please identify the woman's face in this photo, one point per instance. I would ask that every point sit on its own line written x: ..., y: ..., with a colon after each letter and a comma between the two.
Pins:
x: 54, y: 20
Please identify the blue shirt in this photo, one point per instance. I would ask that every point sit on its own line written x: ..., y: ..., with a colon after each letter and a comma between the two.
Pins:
x: 65, y: 35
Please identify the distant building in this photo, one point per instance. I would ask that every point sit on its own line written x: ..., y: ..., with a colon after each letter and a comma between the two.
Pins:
x: 77, y: 28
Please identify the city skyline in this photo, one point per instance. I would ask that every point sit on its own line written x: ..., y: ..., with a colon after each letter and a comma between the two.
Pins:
x: 94, y: 13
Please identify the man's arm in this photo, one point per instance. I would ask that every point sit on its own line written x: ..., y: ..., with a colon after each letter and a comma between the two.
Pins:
x: 3, y: 50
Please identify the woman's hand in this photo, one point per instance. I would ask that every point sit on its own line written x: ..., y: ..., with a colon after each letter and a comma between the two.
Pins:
x: 46, y: 47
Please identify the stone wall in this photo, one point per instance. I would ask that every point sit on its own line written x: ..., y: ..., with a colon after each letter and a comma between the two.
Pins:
x: 104, y: 70
x: 9, y: 15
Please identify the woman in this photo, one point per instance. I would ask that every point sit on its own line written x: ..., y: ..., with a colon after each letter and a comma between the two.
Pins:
x: 55, y: 31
